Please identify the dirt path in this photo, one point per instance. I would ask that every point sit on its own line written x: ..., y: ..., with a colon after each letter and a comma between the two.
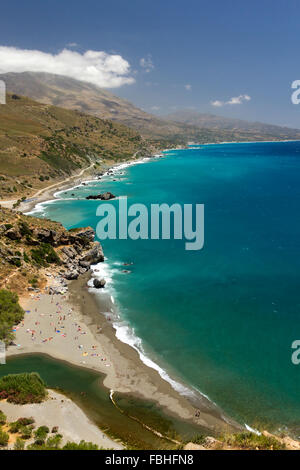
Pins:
x: 10, y: 202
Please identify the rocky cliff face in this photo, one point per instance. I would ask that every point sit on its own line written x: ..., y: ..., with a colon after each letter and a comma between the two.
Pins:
x: 77, y: 251
x: 31, y: 248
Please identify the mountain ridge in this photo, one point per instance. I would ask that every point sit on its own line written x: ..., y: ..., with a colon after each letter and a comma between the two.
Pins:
x: 214, y: 121
x: 73, y: 94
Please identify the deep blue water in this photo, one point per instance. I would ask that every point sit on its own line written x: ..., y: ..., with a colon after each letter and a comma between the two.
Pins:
x: 221, y: 319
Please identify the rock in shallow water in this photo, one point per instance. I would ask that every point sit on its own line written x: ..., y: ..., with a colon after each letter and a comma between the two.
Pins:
x: 99, y: 283
x: 103, y: 197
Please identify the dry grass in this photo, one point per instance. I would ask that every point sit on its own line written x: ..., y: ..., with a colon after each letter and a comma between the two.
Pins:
x: 40, y: 142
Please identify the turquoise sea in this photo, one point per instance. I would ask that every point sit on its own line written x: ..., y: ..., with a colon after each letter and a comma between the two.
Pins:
x: 220, y: 320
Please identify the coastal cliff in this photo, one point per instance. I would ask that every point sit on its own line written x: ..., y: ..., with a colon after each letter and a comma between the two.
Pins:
x: 32, y: 250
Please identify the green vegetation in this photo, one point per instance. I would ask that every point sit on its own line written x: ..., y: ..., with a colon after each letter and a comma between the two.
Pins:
x: 26, y: 432
x: 44, y: 255
x: 19, y: 444
x: 2, y: 418
x: 34, y: 282
x: 249, y: 440
x: 54, y: 442
x: 14, y: 427
x: 10, y: 314
x: 24, y: 228
x: 39, y: 142
x: 41, y: 433
x: 18, y: 425
x: 199, y: 439
x: 83, y: 445
x: 23, y: 388
x: 3, y: 438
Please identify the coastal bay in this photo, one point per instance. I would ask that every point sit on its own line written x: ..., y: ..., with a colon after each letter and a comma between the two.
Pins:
x: 220, y: 297
x: 106, y: 314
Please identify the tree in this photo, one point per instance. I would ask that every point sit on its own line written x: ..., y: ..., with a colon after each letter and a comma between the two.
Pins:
x: 11, y: 313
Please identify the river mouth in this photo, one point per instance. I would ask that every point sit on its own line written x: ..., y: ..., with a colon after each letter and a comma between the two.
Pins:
x: 129, y: 422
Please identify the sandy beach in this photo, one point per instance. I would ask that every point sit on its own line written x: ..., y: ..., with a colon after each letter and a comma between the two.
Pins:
x: 70, y: 327
x: 59, y: 411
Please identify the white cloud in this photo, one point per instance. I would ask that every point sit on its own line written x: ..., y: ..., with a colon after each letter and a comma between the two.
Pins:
x: 97, y: 67
x: 72, y: 44
x: 234, y: 100
x: 188, y: 87
x: 239, y: 99
x: 146, y: 63
x: 155, y: 108
x: 217, y: 103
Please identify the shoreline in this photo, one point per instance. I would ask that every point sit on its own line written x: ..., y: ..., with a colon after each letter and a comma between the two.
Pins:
x: 179, y: 387
x: 127, y: 373
x: 78, y: 315
x: 50, y: 195
x: 60, y: 411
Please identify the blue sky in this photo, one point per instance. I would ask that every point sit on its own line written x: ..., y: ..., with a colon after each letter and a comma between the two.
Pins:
x: 220, y: 48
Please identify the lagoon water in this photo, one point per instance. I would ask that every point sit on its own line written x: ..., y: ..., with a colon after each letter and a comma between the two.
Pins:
x: 220, y: 320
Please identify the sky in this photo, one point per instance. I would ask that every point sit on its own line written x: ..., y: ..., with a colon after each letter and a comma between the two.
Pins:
x: 235, y: 58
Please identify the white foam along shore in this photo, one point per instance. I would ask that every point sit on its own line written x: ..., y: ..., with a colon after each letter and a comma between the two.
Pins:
x: 126, y: 334
x: 123, y: 331
x: 39, y: 207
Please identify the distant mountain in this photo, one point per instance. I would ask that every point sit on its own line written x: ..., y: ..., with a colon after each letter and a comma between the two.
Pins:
x: 178, y: 128
x: 213, y: 122
x: 87, y: 98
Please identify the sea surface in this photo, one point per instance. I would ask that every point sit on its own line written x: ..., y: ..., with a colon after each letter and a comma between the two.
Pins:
x: 221, y: 320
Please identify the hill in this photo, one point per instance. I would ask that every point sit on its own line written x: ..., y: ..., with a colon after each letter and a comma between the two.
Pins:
x: 220, y: 123
x: 87, y: 98
x: 178, y: 128
x: 41, y: 142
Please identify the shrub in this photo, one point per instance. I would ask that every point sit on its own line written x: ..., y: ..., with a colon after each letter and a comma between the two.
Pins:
x: 23, y: 388
x: 19, y: 444
x: 26, y: 421
x: 83, y: 445
x: 198, y: 439
x: 34, y: 282
x: 24, y: 229
x: 14, y: 427
x: 54, y: 441
x: 10, y: 314
x: 250, y: 440
x: 26, y: 432
x: 44, y: 254
x: 39, y: 442
x: 16, y: 262
x: 2, y: 417
x: 3, y: 438
x: 41, y: 433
